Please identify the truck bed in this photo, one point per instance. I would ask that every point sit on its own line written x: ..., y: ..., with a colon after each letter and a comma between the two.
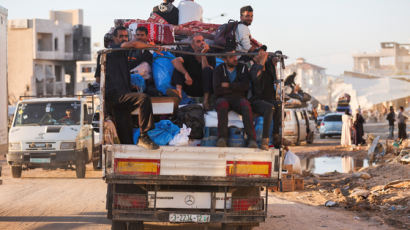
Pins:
x: 193, y: 165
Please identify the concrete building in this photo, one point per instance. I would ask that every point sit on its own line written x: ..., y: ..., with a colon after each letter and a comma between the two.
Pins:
x: 392, y: 59
x: 3, y: 81
x: 85, y: 75
x: 43, y: 53
x: 311, y: 78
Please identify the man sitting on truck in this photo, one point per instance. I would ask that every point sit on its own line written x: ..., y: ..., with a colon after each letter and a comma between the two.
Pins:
x: 167, y: 11
x: 242, y: 33
x: 231, y: 84
x: 119, y: 94
x: 263, y: 98
x: 140, y: 62
x: 193, y: 74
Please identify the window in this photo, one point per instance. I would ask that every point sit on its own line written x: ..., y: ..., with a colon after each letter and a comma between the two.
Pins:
x: 68, y: 43
x: 58, y: 72
x: 86, y: 69
x: 333, y: 118
x: 55, y: 44
x: 44, y: 42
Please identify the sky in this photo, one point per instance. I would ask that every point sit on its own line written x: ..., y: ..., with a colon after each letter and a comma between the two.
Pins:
x: 324, y: 32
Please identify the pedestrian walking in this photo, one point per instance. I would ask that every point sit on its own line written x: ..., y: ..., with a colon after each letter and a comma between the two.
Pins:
x: 358, y: 129
x: 402, y: 124
x: 346, y: 139
x: 391, y: 117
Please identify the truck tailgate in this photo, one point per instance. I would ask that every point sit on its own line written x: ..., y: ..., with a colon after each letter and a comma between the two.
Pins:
x: 191, y: 161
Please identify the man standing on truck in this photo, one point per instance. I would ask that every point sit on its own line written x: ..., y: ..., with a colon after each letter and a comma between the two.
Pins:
x: 231, y: 84
x: 263, y: 98
x: 193, y: 74
x: 119, y: 95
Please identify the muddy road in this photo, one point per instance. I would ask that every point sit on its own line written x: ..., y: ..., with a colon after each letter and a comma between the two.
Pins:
x: 57, y: 200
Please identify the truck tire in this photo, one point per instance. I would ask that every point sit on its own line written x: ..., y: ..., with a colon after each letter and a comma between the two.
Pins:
x: 118, y: 225
x: 310, y: 138
x: 136, y: 225
x: 80, y: 164
x: 16, y: 171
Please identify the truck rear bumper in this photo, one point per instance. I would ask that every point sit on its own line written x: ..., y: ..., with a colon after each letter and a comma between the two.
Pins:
x: 163, y: 216
x: 43, y: 158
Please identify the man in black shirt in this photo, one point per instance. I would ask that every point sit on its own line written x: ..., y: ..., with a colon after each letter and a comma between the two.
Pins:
x: 263, y: 98
x: 231, y: 84
x: 168, y: 12
x: 391, y: 117
x: 119, y: 94
x: 193, y: 74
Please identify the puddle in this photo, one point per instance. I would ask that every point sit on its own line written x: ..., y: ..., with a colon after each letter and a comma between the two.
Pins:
x: 321, y: 165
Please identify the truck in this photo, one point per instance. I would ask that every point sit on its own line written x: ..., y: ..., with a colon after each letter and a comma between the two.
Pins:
x: 185, y: 184
x: 52, y: 133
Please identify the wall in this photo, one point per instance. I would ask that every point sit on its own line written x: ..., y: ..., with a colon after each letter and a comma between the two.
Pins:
x: 3, y: 81
x: 20, y: 59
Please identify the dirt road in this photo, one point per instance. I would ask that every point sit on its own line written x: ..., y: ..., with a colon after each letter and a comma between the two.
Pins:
x: 57, y: 200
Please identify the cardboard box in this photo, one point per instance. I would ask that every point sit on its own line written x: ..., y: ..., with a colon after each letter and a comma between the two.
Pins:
x: 287, y: 185
x: 287, y: 176
x: 299, y: 184
x: 288, y: 168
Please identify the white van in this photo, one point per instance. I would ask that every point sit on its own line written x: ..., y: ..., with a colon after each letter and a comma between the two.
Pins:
x: 52, y: 133
x: 299, y: 126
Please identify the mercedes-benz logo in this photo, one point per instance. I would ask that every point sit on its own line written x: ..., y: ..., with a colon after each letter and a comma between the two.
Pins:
x: 189, y: 200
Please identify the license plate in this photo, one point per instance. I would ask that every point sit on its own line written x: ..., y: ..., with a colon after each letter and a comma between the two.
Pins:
x: 40, y: 160
x: 189, y: 218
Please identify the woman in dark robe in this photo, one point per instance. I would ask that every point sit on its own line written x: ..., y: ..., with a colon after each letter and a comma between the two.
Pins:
x: 358, y: 130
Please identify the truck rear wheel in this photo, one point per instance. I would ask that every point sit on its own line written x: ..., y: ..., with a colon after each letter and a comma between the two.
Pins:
x: 80, y: 165
x: 136, y: 225
x: 118, y: 225
x: 16, y: 171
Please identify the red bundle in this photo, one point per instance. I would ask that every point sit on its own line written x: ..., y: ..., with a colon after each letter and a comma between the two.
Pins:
x: 157, y: 33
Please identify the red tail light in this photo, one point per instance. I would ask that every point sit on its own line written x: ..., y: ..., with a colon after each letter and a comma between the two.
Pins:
x: 322, y: 124
x: 250, y: 204
x: 128, y: 201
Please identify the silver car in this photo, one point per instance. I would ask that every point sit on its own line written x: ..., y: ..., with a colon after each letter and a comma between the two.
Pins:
x: 331, y: 125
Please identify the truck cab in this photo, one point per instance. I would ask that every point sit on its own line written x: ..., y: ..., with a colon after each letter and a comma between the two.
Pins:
x: 51, y: 133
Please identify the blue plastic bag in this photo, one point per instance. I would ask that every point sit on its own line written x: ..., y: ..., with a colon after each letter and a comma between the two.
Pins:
x: 162, y: 70
x: 164, y: 132
x: 138, y: 80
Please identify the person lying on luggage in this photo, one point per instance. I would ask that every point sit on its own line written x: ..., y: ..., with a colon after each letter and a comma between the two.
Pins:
x: 140, y: 62
x: 263, y: 99
x: 193, y: 74
x: 231, y: 84
x: 167, y: 11
x: 119, y: 95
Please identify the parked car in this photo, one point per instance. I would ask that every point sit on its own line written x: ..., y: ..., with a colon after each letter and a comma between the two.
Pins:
x: 331, y: 125
x: 299, y: 126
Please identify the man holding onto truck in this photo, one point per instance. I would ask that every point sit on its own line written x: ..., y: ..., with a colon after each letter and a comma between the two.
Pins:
x: 119, y: 95
x: 263, y: 98
x: 231, y: 84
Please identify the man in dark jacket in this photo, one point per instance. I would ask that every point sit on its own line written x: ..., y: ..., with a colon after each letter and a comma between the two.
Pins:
x: 119, y: 93
x: 391, y: 117
x: 263, y: 98
x: 168, y: 12
x: 231, y: 84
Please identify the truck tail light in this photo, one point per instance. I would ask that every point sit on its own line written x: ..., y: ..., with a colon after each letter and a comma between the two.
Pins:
x: 137, y: 166
x: 322, y: 124
x: 248, y: 169
x: 130, y: 201
x: 247, y: 204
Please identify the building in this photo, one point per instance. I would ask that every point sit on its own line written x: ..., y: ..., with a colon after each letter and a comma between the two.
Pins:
x: 311, y: 78
x: 85, y: 75
x: 3, y: 81
x: 43, y: 53
x: 392, y: 59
